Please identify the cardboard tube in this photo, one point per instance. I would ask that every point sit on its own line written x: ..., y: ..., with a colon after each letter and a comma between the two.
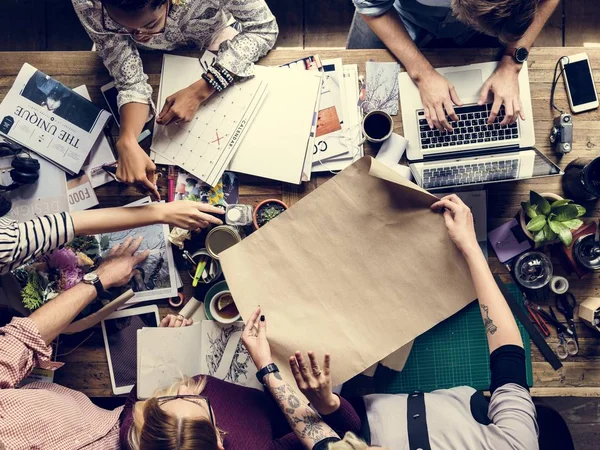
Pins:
x: 559, y: 285
x: 190, y: 308
x: 101, y: 314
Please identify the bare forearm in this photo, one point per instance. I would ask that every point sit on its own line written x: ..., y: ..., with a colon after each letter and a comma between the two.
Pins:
x: 53, y: 317
x: 133, y: 119
x: 392, y: 32
x: 108, y: 220
x: 545, y: 10
x: 307, y: 424
x: 500, y: 324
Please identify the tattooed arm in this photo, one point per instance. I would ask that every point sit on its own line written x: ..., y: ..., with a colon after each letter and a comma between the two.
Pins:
x: 500, y: 325
x: 308, y: 426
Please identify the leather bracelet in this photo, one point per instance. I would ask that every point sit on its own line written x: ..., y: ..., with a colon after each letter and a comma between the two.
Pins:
x: 262, y: 373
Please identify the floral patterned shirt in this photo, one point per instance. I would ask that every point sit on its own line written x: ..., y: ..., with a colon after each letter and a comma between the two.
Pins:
x: 190, y: 24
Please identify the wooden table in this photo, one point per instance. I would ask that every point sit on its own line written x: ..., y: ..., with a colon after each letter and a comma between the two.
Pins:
x: 86, y: 368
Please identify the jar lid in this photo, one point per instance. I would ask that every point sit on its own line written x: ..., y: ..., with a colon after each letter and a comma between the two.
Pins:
x: 587, y: 252
x: 220, y: 239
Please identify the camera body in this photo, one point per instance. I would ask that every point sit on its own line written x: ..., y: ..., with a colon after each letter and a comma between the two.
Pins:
x: 561, y: 135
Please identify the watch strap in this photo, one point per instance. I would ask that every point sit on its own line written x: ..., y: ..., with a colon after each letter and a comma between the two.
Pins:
x: 262, y: 373
x: 100, y: 288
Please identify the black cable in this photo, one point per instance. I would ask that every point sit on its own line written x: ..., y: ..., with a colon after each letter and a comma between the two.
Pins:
x: 555, y: 82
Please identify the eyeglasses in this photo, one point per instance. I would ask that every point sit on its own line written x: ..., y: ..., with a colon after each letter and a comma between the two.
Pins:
x: 188, y: 398
x: 126, y: 32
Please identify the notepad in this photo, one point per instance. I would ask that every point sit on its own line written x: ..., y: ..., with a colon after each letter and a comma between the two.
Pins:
x: 206, y: 347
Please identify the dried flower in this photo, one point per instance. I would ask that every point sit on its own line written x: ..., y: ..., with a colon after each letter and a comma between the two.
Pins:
x: 179, y: 2
x: 62, y: 259
x: 84, y: 260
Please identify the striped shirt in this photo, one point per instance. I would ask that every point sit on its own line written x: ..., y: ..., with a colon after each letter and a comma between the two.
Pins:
x: 21, y: 242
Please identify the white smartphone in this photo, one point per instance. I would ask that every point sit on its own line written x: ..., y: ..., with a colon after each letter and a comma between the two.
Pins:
x: 120, y: 341
x: 579, y: 81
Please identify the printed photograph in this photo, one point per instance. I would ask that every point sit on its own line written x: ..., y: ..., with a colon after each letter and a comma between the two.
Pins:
x: 60, y: 100
x: 225, y: 192
x: 156, y: 275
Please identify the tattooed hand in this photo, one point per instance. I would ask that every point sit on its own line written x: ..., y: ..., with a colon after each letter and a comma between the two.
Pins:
x: 315, y: 382
x: 255, y: 340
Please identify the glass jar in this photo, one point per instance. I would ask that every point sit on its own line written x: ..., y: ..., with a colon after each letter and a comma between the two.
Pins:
x: 582, y: 179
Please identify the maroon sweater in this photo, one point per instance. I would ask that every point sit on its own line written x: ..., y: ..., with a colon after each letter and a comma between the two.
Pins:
x: 251, y: 418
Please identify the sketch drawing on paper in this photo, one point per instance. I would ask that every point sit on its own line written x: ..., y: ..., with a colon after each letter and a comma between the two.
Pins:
x: 382, y: 87
x: 241, y: 370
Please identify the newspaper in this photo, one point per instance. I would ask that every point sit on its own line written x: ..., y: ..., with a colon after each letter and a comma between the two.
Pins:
x: 52, y: 120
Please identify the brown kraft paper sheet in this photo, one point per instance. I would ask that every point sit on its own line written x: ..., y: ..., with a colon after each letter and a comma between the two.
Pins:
x: 358, y: 269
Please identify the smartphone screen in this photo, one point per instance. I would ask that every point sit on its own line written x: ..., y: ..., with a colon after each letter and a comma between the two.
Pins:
x: 110, y: 95
x: 581, y: 84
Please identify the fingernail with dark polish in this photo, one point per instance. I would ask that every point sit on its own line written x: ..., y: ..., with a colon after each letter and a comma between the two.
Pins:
x: 262, y: 318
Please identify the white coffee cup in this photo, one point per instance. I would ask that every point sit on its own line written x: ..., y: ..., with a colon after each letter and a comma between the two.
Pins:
x: 216, y: 315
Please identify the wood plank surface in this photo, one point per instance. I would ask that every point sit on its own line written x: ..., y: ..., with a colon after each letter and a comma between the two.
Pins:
x: 326, y: 23
x: 581, y: 24
x: 86, y: 368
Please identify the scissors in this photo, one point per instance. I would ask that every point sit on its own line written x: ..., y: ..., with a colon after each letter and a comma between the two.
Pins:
x: 566, y: 304
x: 536, y: 317
x: 566, y: 344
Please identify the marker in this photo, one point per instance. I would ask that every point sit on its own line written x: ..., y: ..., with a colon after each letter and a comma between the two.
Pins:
x: 199, y: 270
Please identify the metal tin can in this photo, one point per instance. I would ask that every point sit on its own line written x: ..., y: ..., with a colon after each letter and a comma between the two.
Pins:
x: 587, y: 252
x: 221, y: 238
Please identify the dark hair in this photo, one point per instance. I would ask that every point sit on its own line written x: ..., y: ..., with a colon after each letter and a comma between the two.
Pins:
x: 134, y: 5
x: 505, y: 19
x: 162, y: 431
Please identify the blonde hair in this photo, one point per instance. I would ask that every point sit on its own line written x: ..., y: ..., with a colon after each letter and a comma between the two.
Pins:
x: 154, y: 428
x: 350, y: 442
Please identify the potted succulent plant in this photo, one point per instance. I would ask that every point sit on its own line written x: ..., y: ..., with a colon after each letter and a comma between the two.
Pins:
x: 548, y: 218
x: 267, y: 211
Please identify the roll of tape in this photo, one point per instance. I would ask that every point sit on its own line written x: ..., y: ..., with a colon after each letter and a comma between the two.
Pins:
x: 559, y: 285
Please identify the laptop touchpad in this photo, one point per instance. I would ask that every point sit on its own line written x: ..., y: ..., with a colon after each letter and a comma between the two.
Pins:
x: 467, y: 83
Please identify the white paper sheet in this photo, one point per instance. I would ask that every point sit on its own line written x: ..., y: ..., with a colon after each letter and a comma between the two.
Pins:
x: 276, y: 143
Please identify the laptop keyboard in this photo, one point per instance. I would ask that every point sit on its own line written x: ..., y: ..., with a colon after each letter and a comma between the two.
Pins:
x: 470, y: 128
x: 470, y: 173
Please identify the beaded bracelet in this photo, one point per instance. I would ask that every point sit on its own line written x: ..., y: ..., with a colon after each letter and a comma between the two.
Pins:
x: 212, y: 82
x: 224, y: 72
x: 218, y: 77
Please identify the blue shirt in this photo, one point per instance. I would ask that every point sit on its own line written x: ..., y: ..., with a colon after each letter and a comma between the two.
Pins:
x: 423, y: 19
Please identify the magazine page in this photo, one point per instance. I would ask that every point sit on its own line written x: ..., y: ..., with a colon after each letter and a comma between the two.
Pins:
x: 49, y: 118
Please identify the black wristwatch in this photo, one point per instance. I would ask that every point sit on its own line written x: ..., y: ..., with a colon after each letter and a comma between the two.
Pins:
x: 93, y: 279
x: 262, y: 373
x: 520, y: 54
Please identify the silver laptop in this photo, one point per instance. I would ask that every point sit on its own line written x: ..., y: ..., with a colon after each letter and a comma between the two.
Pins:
x: 475, y: 152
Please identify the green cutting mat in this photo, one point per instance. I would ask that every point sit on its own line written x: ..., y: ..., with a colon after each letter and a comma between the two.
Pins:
x: 453, y: 353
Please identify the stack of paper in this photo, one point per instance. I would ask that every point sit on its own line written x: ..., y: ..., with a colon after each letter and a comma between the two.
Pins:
x: 278, y: 142
x: 206, y: 347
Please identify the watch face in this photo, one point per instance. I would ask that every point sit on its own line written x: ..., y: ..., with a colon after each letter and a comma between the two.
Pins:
x: 521, y: 54
x: 90, y: 277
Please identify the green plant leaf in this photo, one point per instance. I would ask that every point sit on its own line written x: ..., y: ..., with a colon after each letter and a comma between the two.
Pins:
x: 543, y: 206
x: 563, y: 202
x: 537, y: 223
x: 564, y: 233
x: 539, y: 237
x: 573, y: 224
x: 550, y: 234
x: 528, y: 209
x: 580, y: 210
x: 566, y: 212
